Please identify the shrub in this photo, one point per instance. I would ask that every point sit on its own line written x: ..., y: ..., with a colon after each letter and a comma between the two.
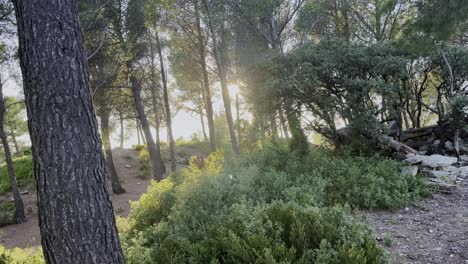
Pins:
x: 265, y: 209
x: 24, y: 174
x: 7, y: 213
x: 145, y: 163
x: 21, y: 256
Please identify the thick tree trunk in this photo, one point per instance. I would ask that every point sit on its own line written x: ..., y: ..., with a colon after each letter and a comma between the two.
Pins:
x: 20, y: 217
x: 121, y: 130
x: 76, y: 217
x: 112, y: 172
x: 138, y: 131
x: 222, y: 73
x: 155, y: 157
x: 167, y: 107
x: 141, y: 130
x: 206, y: 81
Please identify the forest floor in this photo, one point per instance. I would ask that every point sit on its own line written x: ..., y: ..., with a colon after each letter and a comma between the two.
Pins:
x: 128, y: 168
x: 430, y: 231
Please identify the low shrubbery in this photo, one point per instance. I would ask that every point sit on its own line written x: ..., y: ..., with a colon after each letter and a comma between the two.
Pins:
x: 21, y: 256
x: 271, y: 207
x: 7, y: 213
x: 23, y: 171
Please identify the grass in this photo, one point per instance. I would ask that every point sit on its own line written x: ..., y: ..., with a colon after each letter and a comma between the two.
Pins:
x: 24, y: 174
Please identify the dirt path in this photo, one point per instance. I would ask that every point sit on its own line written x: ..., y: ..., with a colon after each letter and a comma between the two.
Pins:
x: 128, y: 168
x: 431, y: 231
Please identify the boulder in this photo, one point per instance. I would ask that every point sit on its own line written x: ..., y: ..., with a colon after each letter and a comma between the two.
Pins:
x: 449, y: 146
x: 436, y: 161
x: 415, y: 159
x: 463, y: 172
x: 409, y: 171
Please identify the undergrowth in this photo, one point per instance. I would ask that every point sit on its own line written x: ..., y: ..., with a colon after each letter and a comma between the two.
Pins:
x: 23, y: 171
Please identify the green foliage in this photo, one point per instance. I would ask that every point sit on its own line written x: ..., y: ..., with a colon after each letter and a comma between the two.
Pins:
x: 24, y: 174
x: 145, y: 162
x: 270, y: 207
x: 21, y: 256
x: 7, y: 213
x: 459, y: 112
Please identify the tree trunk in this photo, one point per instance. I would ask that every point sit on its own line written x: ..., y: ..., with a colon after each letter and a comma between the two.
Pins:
x: 200, y: 112
x: 15, y: 143
x: 142, y: 134
x: 121, y: 130
x: 155, y: 157
x: 76, y: 217
x: 137, y: 131
x: 167, y: 107
x: 112, y: 172
x: 222, y: 74
x: 283, y: 125
x: 206, y: 81
x: 154, y: 96
x: 238, y: 118
x: 20, y: 217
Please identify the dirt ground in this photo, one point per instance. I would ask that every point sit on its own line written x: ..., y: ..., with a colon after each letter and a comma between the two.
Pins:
x: 431, y: 231
x: 128, y: 168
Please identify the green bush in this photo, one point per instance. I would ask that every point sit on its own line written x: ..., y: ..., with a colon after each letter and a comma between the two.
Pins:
x: 7, y: 214
x: 24, y: 174
x: 267, y: 208
x: 21, y: 256
x: 362, y: 182
x: 145, y: 162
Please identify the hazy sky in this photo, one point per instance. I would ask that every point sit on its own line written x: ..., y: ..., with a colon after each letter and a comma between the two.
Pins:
x: 184, y: 123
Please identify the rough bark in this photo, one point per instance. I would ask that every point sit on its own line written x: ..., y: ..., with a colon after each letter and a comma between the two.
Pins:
x: 155, y: 157
x: 222, y: 74
x: 167, y: 106
x: 112, y: 172
x: 206, y: 81
x: 20, y: 217
x: 76, y: 217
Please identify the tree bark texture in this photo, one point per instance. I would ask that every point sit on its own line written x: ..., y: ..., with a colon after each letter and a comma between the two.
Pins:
x: 76, y: 217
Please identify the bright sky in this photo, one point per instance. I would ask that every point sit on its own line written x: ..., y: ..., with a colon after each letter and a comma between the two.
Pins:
x: 184, y: 123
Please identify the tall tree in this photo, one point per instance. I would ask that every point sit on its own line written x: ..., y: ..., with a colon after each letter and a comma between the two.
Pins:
x: 76, y: 217
x: 20, y: 217
x: 218, y: 31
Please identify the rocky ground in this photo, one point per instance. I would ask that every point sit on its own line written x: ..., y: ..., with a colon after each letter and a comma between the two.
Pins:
x: 434, y: 230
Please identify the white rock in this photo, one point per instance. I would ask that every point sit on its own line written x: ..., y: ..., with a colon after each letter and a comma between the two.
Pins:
x: 435, y: 161
x: 415, y: 159
x: 463, y: 172
x: 410, y: 171
x: 439, y: 174
x: 449, y: 145
x: 127, y: 166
